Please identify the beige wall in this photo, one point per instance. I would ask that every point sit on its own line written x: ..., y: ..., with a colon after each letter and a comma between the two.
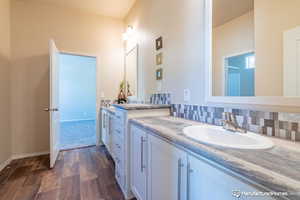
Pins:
x: 5, y: 134
x: 180, y: 23
x: 272, y: 18
x: 33, y: 24
x: 232, y: 38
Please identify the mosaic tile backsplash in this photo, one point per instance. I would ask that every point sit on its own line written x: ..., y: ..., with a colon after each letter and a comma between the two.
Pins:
x: 161, y: 98
x: 281, y: 125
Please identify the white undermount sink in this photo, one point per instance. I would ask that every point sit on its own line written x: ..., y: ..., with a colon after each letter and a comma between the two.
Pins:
x: 215, y: 135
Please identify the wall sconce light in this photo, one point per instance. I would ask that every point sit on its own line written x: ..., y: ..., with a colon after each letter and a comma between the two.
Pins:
x: 128, y: 34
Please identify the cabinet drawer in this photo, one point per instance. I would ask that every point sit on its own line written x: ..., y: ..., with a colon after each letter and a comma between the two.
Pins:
x: 118, y: 148
x: 120, y: 177
x: 118, y: 141
x: 120, y: 118
x: 119, y: 131
x: 119, y: 162
x: 118, y: 151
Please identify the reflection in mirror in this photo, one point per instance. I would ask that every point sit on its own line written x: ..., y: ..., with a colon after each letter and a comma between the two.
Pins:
x: 239, y: 74
x: 256, y: 48
x: 233, y: 48
x: 291, y: 81
x: 132, y: 72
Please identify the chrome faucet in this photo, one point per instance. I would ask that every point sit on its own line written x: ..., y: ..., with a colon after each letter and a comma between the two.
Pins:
x: 230, y: 123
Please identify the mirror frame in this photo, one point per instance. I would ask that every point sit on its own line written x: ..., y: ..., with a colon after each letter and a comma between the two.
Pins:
x: 126, y: 53
x: 266, y: 101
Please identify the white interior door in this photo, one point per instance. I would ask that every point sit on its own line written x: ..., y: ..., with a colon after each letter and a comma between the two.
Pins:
x: 54, y: 103
x: 291, y: 68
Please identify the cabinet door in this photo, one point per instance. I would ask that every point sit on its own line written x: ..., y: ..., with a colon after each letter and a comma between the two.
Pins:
x: 138, y: 159
x: 167, y: 171
x: 104, y: 128
x: 205, y: 181
x: 109, y: 132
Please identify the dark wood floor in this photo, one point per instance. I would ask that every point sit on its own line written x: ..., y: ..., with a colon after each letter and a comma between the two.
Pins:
x: 79, y: 174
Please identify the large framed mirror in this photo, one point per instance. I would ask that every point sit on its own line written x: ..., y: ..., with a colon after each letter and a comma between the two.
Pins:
x: 253, y: 52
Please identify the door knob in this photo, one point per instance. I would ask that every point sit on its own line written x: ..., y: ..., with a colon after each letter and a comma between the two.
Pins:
x: 51, y: 109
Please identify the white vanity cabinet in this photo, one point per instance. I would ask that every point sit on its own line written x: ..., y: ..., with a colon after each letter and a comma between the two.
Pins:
x: 175, y: 174
x: 121, y: 143
x: 206, y: 180
x: 166, y: 171
x: 139, y: 163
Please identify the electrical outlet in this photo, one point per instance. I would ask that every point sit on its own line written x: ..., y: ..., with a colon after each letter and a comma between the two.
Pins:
x: 186, y: 95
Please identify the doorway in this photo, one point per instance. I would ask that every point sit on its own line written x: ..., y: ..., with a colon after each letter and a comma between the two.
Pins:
x: 77, y: 100
x: 240, y: 75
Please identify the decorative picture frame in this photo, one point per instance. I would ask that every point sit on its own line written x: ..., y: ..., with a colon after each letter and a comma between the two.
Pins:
x: 159, y: 43
x: 159, y: 59
x: 159, y: 74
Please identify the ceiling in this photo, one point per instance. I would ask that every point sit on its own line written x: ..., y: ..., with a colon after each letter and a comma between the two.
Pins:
x: 111, y: 8
x: 226, y: 10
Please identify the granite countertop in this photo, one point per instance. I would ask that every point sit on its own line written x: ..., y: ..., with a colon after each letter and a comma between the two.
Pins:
x: 278, y: 168
x: 140, y: 106
x: 110, y: 109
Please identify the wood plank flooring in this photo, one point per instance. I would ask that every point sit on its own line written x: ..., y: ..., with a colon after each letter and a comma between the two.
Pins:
x: 79, y: 174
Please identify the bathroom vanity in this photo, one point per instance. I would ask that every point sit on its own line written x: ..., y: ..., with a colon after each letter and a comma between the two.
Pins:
x: 115, y: 136
x: 156, y: 160
x: 165, y: 164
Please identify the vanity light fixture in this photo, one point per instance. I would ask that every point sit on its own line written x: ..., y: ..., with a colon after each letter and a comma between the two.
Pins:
x: 128, y: 34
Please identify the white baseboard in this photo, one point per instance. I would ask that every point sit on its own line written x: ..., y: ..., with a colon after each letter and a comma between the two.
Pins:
x: 5, y: 163
x: 28, y: 155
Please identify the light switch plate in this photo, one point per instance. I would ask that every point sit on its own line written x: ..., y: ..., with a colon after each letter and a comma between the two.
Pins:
x: 159, y: 86
x: 186, y: 95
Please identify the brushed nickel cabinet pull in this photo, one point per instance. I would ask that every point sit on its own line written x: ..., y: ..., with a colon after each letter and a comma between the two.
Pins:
x: 180, y: 165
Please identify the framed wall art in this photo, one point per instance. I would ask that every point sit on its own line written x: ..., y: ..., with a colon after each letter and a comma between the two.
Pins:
x: 159, y: 43
x: 159, y: 74
x: 159, y: 59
